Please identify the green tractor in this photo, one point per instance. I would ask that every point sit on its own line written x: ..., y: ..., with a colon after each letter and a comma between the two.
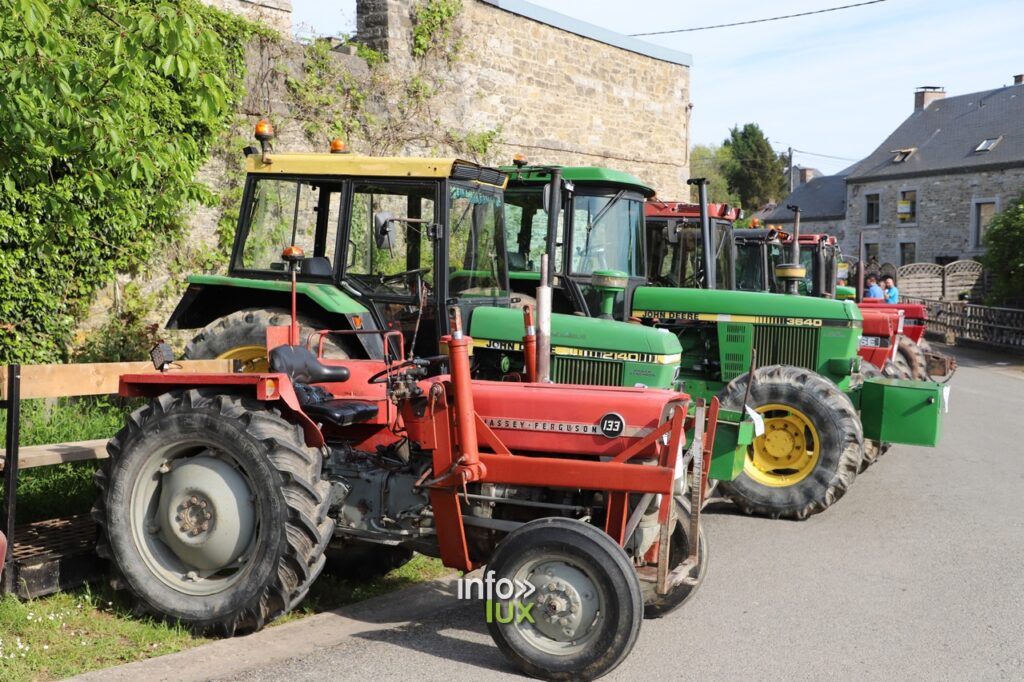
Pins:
x: 388, y: 244
x: 801, y: 352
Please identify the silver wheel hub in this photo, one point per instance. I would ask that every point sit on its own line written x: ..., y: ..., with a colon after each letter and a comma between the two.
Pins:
x: 206, y: 514
x: 566, y: 601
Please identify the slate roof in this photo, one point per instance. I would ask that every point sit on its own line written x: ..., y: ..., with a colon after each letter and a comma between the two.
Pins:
x: 820, y: 199
x: 946, y: 134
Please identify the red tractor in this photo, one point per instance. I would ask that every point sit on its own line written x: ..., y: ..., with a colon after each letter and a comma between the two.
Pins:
x: 221, y: 496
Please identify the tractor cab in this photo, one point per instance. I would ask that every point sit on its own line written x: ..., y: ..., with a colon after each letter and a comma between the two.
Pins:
x: 386, y: 244
x: 676, y: 246
x: 597, y: 252
x: 820, y: 257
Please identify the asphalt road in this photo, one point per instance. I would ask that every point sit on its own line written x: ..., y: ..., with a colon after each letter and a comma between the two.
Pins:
x: 918, y: 573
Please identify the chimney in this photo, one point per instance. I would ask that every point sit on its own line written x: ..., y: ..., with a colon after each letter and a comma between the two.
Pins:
x: 1018, y: 79
x: 807, y: 174
x: 926, y: 94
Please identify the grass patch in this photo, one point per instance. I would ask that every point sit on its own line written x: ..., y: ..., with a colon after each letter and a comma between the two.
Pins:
x: 63, y: 489
x: 89, y: 629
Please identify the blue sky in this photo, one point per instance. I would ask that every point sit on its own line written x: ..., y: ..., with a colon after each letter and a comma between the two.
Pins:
x: 835, y: 84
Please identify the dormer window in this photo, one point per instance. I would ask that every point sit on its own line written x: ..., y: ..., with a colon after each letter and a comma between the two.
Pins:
x: 987, y: 144
x: 902, y: 154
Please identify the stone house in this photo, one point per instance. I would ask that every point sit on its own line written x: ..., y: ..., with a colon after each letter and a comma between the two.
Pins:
x: 927, y: 193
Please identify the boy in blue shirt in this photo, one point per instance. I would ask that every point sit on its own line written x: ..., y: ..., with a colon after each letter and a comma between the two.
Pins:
x: 874, y: 291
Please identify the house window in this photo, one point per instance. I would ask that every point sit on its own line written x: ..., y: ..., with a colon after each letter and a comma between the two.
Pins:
x: 987, y: 144
x: 908, y: 253
x: 871, y: 211
x: 906, y: 207
x: 944, y: 260
x: 871, y: 252
x: 982, y: 214
x: 903, y: 154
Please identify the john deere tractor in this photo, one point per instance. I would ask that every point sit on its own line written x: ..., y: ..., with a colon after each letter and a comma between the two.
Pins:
x: 792, y: 360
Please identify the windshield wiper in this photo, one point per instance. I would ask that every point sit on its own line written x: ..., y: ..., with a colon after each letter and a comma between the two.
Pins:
x: 603, y: 211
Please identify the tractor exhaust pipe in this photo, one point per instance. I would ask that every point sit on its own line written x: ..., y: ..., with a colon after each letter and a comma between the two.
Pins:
x: 530, y: 344
x: 543, y: 361
x: 710, y: 276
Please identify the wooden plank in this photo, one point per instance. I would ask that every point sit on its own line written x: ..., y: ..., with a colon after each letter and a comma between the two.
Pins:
x: 101, y: 378
x: 44, y: 455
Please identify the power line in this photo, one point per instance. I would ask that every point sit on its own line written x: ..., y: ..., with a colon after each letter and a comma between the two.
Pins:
x: 758, y: 21
x: 824, y: 156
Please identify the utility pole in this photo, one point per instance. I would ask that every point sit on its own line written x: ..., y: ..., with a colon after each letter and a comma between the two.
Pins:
x: 790, y: 152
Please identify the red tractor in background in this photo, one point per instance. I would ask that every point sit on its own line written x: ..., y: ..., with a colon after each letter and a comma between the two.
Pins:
x: 221, y: 496
x: 913, y: 357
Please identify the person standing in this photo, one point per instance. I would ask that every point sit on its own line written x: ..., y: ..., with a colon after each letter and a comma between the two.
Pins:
x: 874, y: 291
x: 892, y: 294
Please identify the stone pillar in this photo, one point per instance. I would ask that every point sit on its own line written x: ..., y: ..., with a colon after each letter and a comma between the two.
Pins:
x: 385, y: 26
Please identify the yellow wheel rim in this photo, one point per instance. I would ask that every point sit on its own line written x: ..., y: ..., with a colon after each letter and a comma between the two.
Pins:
x: 252, y: 358
x: 787, y: 452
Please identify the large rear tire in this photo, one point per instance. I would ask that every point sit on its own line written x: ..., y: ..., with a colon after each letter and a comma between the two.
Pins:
x: 587, y: 605
x: 658, y: 605
x: 914, y: 357
x: 242, y: 336
x: 811, y: 448
x: 212, y: 511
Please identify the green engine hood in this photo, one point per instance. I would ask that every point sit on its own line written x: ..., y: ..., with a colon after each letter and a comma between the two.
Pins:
x: 574, y: 331
x: 327, y: 296
x: 698, y: 304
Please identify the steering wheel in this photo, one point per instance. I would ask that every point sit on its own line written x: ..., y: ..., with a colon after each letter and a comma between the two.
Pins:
x: 380, y: 377
x: 403, y: 275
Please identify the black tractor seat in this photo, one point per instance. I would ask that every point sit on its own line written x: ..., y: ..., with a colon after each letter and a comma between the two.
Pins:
x: 303, y: 368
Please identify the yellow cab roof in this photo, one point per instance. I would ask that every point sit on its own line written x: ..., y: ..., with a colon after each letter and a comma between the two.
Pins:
x: 310, y: 163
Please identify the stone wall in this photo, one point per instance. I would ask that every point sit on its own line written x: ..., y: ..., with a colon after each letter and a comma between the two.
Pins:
x: 945, y: 208
x: 558, y: 97
x: 274, y: 13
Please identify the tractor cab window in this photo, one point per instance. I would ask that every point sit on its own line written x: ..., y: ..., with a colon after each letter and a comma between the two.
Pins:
x: 282, y: 212
x: 806, y: 286
x: 526, y: 229
x: 776, y: 255
x: 606, y: 234
x: 750, y: 274
x: 477, y: 251
x: 389, y: 244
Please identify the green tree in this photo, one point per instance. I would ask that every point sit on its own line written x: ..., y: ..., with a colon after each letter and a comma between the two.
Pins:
x: 754, y: 171
x: 710, y: 161
x: 1004, y: 254
x: 107, y: 110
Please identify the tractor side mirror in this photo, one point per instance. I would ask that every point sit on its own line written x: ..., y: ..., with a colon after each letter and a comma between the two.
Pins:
x: 384, y: 229
x: 546, y: 196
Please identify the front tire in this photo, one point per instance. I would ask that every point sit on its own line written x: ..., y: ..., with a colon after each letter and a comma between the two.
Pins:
x: 811, y: 448
x: 212, y: 511
x: 658, y: 605
x: 588, y: 607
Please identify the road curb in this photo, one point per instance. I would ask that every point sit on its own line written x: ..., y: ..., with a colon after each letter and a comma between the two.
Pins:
x: 230, y: 657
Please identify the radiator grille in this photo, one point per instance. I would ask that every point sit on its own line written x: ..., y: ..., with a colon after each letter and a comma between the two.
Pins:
x: 586, y: 372
x: 779, y: 345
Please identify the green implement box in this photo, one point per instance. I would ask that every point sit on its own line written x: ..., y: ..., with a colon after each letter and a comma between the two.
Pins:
x: 899, y: 411
x: 733, y: 435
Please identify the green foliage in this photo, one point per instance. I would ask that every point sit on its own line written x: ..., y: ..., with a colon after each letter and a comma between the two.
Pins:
x: 125, y: 335
x: 1004, y: 254
x: 108, y: 110
x: 479, y: 144
x: 711, y: 161
x: 754, y: 172
x: 433, y: 23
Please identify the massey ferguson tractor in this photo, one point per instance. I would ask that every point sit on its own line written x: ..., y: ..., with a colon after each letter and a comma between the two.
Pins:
x: 222, y: 494
x: 817, y: 404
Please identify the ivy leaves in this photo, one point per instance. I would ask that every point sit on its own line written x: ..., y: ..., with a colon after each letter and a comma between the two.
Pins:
x: 107, y: 111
